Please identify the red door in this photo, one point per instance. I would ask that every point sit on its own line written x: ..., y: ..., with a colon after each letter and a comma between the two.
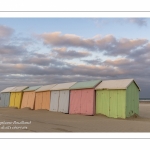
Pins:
x: 90, y: 103
x: 75, y: 104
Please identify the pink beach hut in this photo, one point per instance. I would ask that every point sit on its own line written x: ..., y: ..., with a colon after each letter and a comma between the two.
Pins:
x: 82, y: 97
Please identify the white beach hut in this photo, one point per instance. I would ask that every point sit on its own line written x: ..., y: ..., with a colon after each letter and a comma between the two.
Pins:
x: 60, y: 97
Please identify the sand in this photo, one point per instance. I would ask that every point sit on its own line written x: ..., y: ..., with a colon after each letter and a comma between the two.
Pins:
x: 46, y: 121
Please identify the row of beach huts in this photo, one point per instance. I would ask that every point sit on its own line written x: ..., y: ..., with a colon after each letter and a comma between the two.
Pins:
x: 112, y: 98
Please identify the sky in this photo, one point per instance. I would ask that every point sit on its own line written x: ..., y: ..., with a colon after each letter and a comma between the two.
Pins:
x: 41, y: 51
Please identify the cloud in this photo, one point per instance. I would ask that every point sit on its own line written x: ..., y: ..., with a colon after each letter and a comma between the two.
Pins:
x: 5, y: 31
x: 96, y: 61
x: 138, y: 21
x: 108, y: 44
x: 102, y: 22
x: 21, y: 65
x: 58, y: 39
x: 12, y: 50
x: 63, y: 53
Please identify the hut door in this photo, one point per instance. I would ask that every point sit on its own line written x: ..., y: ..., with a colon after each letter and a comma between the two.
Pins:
x: 12, y: 100
x: 31, y: 100
x: 38, y: 101
x: 24, y: 100
x: 72, y: 102
x: 54, y: 101
x: 113, y: 103
x: 87, y: 102
x: 84, y: 101
x: 75, y: 102
x: 2, y: 100
x: 46, y: 100
x: 64, y: 101
x: 18, y: 99
x: 78, y: 102
x: 7, y: 97
x: 106, y: 102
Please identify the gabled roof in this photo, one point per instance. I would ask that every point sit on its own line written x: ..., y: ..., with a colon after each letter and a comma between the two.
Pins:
x: 19, y: 88
x: 7, y: 90
x: 32, y: 88
x: 85, y: 84
x: 63, y: 86
x: 45, y: 88
x: 116, y: 84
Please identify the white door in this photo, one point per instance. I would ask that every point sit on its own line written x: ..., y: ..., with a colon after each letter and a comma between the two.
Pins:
x: 54, y: 101
x: 7, y: 97
x: 2, y: 100
x: 64, y: 101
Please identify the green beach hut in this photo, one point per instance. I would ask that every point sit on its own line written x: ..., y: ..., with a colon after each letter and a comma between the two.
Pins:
x: 117, y: 98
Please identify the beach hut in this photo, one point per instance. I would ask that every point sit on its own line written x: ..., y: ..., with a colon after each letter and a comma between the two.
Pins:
x: 117, y: 98
x: 28, y: 99
x: 16, y: 96
x: 5, y: 97
x: 60, y: 96
x: 82, y: 97
x: 43, y: 97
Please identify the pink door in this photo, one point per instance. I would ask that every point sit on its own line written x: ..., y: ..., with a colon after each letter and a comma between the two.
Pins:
x: 84, y: 101
x: 75, y: 97
x: 88, y: 102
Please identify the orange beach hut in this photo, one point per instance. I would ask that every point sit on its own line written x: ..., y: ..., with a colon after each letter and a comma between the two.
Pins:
x: 43, y: 97
x: 28, y: 99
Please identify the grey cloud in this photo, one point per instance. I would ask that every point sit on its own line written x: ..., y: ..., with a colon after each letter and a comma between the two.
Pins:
x: 95, y: 61
x: 5, y: 31
x: 43, y: 61
x: 102, y: 22
x: 124, y: 46
x: 63, y: 53
x: 12, y: 50
x: 25, y: 74
x: 137, y: 21
x: 30, y: 58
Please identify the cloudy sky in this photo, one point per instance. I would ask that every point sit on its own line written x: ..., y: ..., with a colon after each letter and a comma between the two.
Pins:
x: 39, y: 51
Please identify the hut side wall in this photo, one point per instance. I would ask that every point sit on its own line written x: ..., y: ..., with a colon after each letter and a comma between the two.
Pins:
x: 111, y: 103
x: 132, y: 100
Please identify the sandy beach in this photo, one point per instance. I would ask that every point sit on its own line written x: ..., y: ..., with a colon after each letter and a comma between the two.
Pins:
x: 26, y: 120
